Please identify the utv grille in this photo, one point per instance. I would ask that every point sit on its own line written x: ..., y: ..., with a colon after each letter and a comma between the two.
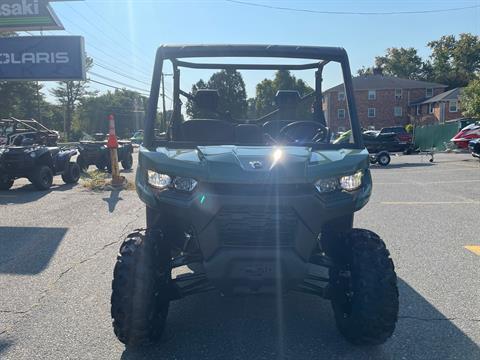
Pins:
x: 260, y: 189
x: 257, y: 226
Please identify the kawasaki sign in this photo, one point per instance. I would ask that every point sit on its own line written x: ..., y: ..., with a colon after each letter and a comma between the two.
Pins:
x: 21, y: 15
x: 42, y: 58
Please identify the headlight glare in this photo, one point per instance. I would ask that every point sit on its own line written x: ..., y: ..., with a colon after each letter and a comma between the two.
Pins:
x: 159, y: 181
x: 351, y: 182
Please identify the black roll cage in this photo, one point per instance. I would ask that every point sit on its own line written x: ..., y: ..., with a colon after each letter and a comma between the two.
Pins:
x: 322, y: 55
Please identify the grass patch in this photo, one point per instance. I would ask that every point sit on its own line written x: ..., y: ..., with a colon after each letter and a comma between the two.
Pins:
x: 97, y: 180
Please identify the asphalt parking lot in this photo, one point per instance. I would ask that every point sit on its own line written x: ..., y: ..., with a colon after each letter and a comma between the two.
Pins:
x: 58, y: 248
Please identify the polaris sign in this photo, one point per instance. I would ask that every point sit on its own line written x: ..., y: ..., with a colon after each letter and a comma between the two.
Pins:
x: 42, y: 58
x: 21, y: 15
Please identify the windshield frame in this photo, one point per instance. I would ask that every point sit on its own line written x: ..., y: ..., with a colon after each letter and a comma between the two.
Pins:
x: 322, y: 55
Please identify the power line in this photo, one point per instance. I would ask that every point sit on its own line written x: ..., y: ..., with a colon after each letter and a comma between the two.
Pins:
x: 101, y: 31
x: 120, y: 73
x: 274, y: 7
x: 112, y: 86
x: 117, y: 59
x: 112, y: 26
x: 118, y: 82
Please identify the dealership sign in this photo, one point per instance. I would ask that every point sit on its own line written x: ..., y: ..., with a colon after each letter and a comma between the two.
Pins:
x: 42, y: 58
x: 22, y: 15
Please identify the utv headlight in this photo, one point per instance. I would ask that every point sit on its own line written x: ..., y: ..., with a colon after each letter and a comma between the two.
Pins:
x: 158, y: 181
x: 347, y: 183
x: 327, y: 185
x: 351, y: 182
x: 164, y: 181
x: 184, y: 184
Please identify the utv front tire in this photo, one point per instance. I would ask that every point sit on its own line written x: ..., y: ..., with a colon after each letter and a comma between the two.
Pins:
x: 141, y: 290
x: 364, y: 289
x: 71, y: 174
x: 42, y: 177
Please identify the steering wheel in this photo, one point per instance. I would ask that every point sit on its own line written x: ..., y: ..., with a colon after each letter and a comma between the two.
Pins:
x: 304, y: 131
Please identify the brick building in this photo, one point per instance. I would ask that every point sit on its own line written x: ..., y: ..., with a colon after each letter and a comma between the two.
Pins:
x: 381, y: 101
x: 440, y: 108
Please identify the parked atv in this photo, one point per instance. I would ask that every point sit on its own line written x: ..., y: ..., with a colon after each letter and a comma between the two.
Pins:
x: 96, y: 153
x: 253, y: 206
x: 31, y: 152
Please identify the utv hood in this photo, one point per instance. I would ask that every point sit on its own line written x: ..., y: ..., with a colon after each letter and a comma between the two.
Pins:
x: 247, y: 164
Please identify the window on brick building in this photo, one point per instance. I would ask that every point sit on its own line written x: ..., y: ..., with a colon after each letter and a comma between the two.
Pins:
x: 397, y: 111
x: 341, y: 113
x: 372, y: 94
x: 430, y: 108
x: 453, y: 106
x: 398, y: 93
x: 428, y: 92
x: 419, y: 110
x: 341, y: 96
x: 371, y: 112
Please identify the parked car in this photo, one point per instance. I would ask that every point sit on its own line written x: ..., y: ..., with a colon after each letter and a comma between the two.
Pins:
x: 31, y: 152
x: 404, y: 137
x: 474, y: 147
x: 95, y: 152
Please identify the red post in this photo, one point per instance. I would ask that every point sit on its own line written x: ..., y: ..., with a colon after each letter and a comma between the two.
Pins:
x: 112, y: 144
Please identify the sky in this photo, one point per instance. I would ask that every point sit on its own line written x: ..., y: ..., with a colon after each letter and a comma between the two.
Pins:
x: 123, y: 35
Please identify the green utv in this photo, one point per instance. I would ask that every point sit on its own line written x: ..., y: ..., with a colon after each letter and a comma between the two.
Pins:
x: 254, y: 205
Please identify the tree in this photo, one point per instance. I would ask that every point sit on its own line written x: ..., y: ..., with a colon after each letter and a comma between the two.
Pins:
x: 128, y: 107
x: 365, y: 71
x: 231, y: 90
x: 401, y: 62
x: 470, y: 99
x: 284, y: 80
x: 455, y: 62
x: 68, y: 94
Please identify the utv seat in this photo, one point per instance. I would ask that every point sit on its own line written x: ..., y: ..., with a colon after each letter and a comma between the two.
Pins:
x: 249, y: 134
x: 207, y: 130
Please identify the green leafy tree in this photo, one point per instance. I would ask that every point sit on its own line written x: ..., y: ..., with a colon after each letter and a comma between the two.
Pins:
x: 364, y: 71
x: 455, y: 62
x: 283, y: 80
x: 68, y: 94
x: 231, y: 90
x: 401, y: 62
x: 127, y: 106
x: 470, y: 99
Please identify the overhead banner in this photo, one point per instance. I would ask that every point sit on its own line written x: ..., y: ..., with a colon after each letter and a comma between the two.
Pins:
x: 24, y: 15
x: 42, y: 58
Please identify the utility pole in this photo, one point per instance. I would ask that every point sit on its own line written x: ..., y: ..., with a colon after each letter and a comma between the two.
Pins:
x: 39, y: 113
x: 164, y: 114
